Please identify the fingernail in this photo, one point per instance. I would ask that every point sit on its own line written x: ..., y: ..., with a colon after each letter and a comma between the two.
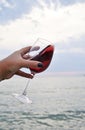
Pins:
x: 40, y: 65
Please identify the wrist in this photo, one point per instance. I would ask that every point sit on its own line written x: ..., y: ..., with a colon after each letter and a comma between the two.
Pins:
x: 2, y: 70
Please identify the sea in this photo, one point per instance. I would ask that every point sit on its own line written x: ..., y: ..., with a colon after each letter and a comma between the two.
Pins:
x: 58, y: 103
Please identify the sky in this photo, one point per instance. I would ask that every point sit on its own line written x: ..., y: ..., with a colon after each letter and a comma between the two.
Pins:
x: 59, y: 21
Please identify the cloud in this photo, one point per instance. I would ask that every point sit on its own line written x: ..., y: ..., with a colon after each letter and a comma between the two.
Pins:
x: 60, y: 24
x: 11, y: 10
x: 0, y: 9
x: 5, y: 3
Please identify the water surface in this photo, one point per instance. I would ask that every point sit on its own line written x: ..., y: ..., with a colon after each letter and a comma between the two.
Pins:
x: 58, y: 104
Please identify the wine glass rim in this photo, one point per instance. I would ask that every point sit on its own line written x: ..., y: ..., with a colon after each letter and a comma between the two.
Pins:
x: 44, y: 40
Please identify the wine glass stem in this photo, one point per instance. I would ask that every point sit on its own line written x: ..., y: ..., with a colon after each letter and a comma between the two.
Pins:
x: 25, y: 90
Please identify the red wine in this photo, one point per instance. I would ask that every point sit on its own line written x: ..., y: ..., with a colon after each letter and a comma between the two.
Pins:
x: 45, y: 57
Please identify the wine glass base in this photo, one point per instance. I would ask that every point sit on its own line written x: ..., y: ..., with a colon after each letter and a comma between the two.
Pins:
x: 22, y: 98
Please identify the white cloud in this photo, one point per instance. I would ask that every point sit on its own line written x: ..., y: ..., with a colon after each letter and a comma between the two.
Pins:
x: 56, y: 25
x: 71, y: 50
x: 5, y: 3
x: 0, y: 9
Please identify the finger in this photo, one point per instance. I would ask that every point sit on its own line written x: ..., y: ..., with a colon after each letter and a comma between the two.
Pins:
x: 25, y: 50
x: 35, y: 48
x: 31, y: 64
x: 23, y: 74
x: 26, y: 56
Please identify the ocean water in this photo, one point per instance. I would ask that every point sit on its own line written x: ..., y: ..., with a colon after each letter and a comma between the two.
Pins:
x: 58, y: 104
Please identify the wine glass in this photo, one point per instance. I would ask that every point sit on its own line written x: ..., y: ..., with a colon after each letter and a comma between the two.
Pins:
x: 42, y: 51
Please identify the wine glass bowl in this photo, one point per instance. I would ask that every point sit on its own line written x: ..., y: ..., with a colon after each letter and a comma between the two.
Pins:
x: 44, y: 57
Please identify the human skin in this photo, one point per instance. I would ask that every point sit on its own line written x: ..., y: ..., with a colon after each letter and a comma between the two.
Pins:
x: 12, y: 64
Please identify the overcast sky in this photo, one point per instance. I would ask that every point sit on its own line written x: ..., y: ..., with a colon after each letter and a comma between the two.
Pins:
x: 59, y: 21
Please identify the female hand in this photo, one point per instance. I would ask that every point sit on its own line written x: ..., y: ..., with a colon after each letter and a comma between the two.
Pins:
x: 14, y: 62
